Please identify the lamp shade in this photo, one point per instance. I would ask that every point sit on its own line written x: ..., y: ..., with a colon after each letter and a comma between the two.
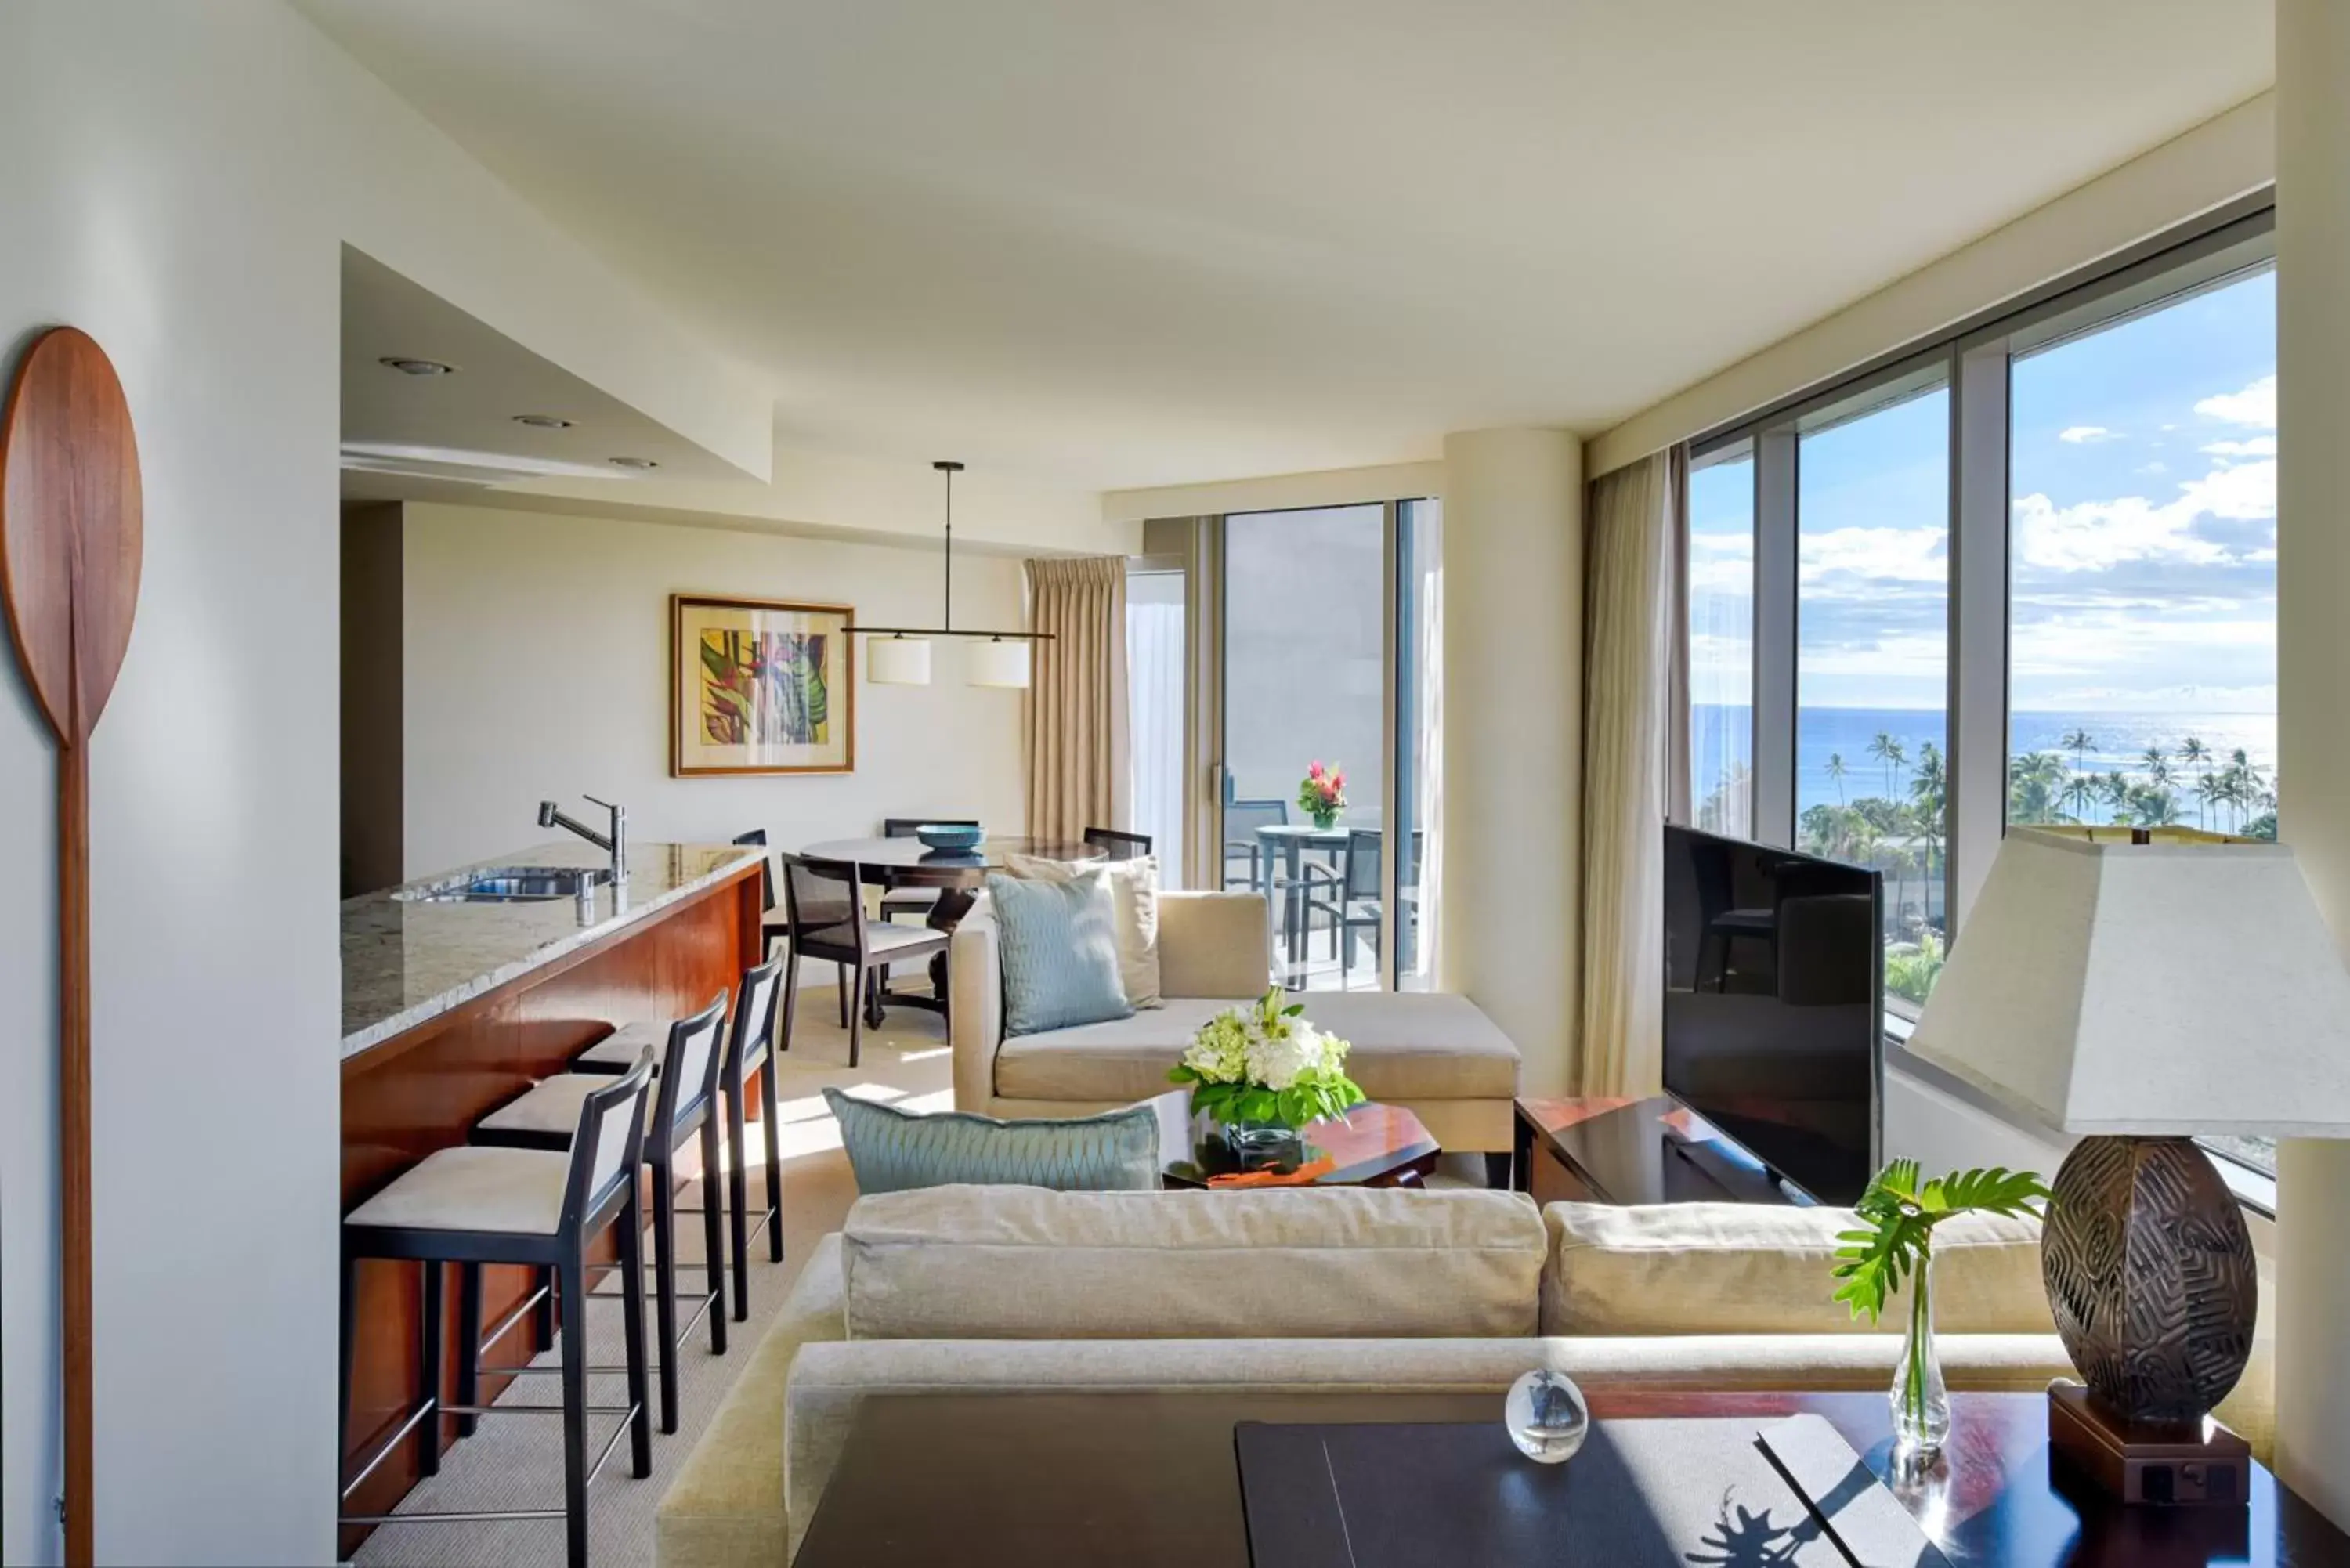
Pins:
x: 897, y: 661
x: 2179, y: 987
x: 994, y: 663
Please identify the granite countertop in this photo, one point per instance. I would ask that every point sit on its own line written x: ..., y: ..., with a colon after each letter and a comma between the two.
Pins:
x: 405, y: 961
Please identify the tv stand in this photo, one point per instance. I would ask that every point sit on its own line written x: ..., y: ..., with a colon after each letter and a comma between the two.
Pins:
x: 1601, y: 1150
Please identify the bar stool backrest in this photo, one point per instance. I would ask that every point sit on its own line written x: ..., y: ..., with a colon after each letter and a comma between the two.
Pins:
x: 609, y: 1144
x: 826, y: 908
x: 757, y: 839
x: 755, y: 1018
x: 689, y: 1073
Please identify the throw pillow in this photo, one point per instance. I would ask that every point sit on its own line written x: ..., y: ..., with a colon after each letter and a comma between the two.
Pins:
x: 1134, y: 886
x: 1059, y: 941
x: 891, y: 1150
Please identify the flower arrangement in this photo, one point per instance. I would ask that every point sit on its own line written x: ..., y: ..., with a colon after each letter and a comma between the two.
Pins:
x: 1265, y: 1064
x: 1322, y: 793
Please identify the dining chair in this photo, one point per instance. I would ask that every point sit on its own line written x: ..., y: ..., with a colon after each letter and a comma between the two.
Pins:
x: 825, y: 900
x: 1242, y: 819
x: 1118, y: 845
x: 914, y: 901
x: 1350, y: 896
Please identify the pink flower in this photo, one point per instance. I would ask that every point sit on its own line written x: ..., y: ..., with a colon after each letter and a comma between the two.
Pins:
x: 1314, y: 771
x: 1338, y: 781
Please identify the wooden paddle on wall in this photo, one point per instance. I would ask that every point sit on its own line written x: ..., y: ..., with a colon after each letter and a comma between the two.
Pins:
x: 69, y: 549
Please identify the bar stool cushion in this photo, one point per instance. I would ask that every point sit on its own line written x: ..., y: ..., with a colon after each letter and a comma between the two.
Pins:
x: 618, y: 1051
x: 511, y: 1191
x: 552, y: 1105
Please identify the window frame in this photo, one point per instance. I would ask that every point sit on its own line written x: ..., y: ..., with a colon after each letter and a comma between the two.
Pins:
x: 1977, y: 355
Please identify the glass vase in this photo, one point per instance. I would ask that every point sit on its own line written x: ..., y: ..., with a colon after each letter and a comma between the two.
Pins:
x: 1921, y: 1400
x: 1255, y: 1146
x: 1323, y: 821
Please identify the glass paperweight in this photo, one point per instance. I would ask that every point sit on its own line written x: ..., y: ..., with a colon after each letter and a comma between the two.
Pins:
x: 1547, y: 1416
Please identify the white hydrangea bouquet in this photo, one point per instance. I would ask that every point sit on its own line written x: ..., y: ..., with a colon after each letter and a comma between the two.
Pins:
x: 1265, y: 1064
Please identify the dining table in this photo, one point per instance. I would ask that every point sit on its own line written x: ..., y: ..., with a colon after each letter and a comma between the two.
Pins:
x: 957, y: 874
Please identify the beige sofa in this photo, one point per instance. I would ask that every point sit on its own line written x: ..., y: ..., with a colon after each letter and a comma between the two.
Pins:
x: 959, y: 1289
x: 1437, y: 1055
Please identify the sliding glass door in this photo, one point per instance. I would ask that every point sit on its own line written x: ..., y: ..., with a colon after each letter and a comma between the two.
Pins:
x: 1328, y: 709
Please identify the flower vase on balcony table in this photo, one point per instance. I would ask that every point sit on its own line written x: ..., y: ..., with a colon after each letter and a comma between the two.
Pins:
x: 1322, y: 796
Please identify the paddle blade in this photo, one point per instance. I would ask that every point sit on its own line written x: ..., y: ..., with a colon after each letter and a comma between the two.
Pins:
x: 70, y: 529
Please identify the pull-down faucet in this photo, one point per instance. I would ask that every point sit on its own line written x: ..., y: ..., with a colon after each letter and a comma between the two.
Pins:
x: 615, y: 843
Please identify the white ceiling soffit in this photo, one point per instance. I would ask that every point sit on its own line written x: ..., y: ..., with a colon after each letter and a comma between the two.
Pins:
x: 1136, y: 245
x: 418, y: 436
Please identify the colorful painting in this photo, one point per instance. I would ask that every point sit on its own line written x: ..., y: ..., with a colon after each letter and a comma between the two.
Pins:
x: 760, y: 687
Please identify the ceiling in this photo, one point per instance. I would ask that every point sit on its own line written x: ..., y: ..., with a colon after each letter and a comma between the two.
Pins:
x: 1120, y: 243
x: 447, y: 437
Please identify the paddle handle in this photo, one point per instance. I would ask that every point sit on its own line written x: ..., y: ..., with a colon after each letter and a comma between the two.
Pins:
x: 73, y: 1128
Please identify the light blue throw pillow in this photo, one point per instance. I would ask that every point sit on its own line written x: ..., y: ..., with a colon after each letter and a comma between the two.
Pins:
x: 1060, y: 952
x: 891, y: 1150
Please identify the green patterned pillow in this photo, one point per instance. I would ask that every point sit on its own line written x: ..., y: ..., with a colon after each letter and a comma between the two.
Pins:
x: 1059, y: 941
x: 891, y: 1150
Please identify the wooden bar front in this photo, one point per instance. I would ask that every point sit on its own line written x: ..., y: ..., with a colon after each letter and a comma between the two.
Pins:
x: 424, y: 1089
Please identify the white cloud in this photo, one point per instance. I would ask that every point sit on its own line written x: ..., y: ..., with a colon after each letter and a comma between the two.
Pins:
x: 2258, y: 446
x: 2254, y: 406
x: 2157, y: 466
x: 1876, y: 555
x: 2076, y: 434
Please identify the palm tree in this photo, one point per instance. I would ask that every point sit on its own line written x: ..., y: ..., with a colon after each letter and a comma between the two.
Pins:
x: 1835, y: 772
x: 2153, y: 806
x: 1892, y: 753
x: 2034, y: 781
x: 2115, y: 787
x: 2082, y: 791
x: 2157, y: 766
x: 2078, y: 741
x: 2196, y: 755
x: 2210, y: 791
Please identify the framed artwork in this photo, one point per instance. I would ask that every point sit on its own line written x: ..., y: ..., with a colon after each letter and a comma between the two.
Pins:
x: 760, y: 686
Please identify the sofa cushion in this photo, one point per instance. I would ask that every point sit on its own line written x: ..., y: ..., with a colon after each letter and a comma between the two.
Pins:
x: 1060, y: 952
x: 892, y: 1150
x: 1739, y: 1268
x: 1017, y: 1262
x: 1134, y: 893
x: 1407, y: 1047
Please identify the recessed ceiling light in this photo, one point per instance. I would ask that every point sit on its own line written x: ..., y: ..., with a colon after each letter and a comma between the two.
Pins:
x: 543, y: 421
x: 632, y: 462
x: 407, y: 367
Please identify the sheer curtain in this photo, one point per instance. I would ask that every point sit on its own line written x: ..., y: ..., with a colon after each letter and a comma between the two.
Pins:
x: 1077, y: 701
x: 1627, y: 748
x: 1156, y: 656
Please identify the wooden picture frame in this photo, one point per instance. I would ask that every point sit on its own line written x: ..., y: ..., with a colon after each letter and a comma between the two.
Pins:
x: 760, y: 686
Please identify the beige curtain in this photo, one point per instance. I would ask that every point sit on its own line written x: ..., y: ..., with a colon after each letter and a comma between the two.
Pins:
x: 1627, y: 748
x: 1076, y: 698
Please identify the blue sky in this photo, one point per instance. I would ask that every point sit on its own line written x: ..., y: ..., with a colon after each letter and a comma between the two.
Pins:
x: 2143, y: 522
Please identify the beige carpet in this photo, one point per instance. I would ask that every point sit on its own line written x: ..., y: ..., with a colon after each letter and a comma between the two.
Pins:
x: 516, y: 1461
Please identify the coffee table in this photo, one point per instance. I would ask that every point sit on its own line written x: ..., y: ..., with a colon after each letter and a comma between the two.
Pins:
x: 1142, y: 1480
x: 1370, y: 1145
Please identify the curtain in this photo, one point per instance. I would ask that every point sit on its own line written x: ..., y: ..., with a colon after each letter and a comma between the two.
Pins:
x: 1628, y: 749
x: 1076, y: 698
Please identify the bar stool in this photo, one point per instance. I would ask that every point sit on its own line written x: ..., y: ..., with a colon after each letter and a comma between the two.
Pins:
x: 828, y: 923
x: 748, y: 1047
x: 748, y: 1044
x: 473, y: 1205
x: 544, y: 1117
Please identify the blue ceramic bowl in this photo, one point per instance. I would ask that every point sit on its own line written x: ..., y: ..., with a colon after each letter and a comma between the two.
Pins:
x: 946, y: 835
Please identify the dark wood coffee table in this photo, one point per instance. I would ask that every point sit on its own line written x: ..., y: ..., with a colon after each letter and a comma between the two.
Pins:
x: 1370, y: 1145
x: 1597, y: 1150
x: 1133, y: 1480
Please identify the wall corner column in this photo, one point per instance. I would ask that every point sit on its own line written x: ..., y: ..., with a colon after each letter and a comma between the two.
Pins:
x: 2313, y: 1371
x: 1512, y: 815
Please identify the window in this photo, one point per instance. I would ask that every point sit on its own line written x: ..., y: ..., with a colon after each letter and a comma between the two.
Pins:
x: 2142, y: 605
x: 2025, y: 573
x: 1155, y: 661
x: 1721, y: 652
x: 1871, y: 659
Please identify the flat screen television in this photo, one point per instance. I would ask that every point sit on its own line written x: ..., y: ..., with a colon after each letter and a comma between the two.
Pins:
x: 1774, y: 1006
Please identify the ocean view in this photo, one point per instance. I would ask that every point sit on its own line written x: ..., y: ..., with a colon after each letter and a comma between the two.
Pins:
x: 1718, y: 733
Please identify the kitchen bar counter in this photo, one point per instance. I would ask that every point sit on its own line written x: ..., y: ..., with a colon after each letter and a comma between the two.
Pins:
x: 408, y: 961
x: 450, y: 1010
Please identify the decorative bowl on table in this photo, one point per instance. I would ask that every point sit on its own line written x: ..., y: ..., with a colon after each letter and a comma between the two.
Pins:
x: 949, y: 835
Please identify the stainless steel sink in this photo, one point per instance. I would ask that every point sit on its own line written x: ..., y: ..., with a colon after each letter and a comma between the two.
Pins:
x: 508, y: 885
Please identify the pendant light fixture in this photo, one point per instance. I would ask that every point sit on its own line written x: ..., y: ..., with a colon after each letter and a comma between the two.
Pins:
x: 900, y: 656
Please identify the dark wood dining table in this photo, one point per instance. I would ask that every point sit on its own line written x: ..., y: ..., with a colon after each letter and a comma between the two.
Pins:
x: 957, y: 874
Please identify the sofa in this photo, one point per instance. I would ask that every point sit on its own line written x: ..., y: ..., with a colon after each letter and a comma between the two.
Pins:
x: 963, y: 1289
x: 1437, y: 1055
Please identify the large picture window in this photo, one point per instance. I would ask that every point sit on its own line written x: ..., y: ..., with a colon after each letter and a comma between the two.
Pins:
x: 2025, y: 574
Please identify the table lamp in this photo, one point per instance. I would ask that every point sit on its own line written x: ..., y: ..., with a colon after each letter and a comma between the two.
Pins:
x: 2144, y: 988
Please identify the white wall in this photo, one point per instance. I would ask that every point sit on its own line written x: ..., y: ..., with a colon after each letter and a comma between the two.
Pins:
x: 538, y: 667
x: 177, y: 179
